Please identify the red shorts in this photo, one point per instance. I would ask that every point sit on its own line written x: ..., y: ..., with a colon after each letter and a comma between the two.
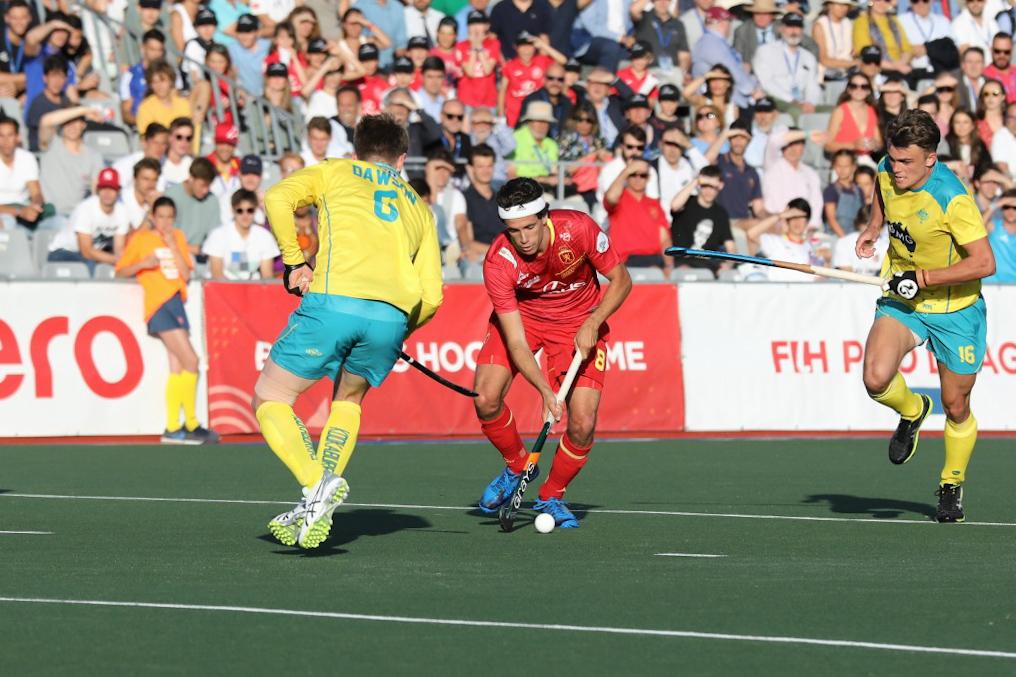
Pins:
x: 558, y: 343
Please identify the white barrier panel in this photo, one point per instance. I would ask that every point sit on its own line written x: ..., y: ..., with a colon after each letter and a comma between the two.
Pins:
x: 76, y: 359
x: 788, y: 357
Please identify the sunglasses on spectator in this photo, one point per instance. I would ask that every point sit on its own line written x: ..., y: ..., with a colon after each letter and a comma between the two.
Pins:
x: 243, y: 210
x: 1008, y: 206
x: 589, y: 120
x: 859, y: 86
x: 639, y: 175
x: 706, y: 116
x: 554, y: 78
x: 181, y: 137
x: 1004, y: 52
x: 672, y: 144
x: 945, y: 89
x: 630, y: 146
x: 453, y: 116
x: 992, y: 94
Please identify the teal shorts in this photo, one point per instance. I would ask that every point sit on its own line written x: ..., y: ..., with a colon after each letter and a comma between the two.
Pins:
x: 957, y: 339
x: 327, y: 333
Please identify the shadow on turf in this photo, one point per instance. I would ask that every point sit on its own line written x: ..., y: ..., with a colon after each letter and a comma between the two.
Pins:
x: 879, y: 508
x: 351, y: 525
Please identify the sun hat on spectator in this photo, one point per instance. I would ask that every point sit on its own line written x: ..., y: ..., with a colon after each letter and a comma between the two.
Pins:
x: 792, y: 136
x: 477, y: 17
x: 669, y: 92
x: 368, y: 52
x: 848, y: 3
x: 763, y: 7
x: 417, y: 42
x: 108, y: 178
x: 716, y: 14
x: 206, y: 17
x: 539, y: 111
x: 226, y: 132
x: 251, y: 164
x: 247, y: 23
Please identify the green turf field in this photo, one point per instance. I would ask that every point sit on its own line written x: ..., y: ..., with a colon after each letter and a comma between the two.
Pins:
x: 412, y: 581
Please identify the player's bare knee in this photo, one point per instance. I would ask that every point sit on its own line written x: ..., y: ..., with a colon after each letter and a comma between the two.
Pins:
x: 268, y: 389
x: 877, y: 378
x: 487, y: 405
x: 581, y: 428
x: 957, y: 407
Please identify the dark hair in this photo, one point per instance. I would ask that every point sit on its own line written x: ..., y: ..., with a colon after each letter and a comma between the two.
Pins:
x: 160, y: 67
x: 349, y: 89
x: 163, y: 201
x: 926, y: 99
x: 862, y: 217
x: 153, y: 34
x: 845, y: 95
x: 441, y: 153
x: 633, y: 131
x: 350, y: 12
x: 8, y: 120
x: 153, y: 129
x: 11, y: 4
x: 54, y: 63
x: 1003, y: 35
x: 421, y: 187
x: 320, y: 124
x: 243, y: 195
x: 866, y: 171
x: 583, y: 109
x: 843, y: 152
x: 432, y: 63
x: 448, y: 21
x: 147, y: 163
x: 1009, y: 192
x: 519, y: 191
x: 972, y: 49
x: 221, y: 50
x: 380, y: 137
x: 979, y: 153
x: 711, y: 171
x: 177, y: 123
x: 481, y: 150
x: 914, y: 127
x: 800, y: 203
x: 202, y: 168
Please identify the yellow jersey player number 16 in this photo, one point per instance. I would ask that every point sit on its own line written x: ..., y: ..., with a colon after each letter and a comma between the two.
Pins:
x: 377, y: 278
x: 938, y: 254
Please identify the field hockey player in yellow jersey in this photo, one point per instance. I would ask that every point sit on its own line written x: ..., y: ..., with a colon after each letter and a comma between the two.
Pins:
x: 377, y: 278
x: 938, y: 254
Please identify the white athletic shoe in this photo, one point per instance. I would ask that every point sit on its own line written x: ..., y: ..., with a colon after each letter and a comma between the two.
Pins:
x: 286, y: 526
x: 327, y: 495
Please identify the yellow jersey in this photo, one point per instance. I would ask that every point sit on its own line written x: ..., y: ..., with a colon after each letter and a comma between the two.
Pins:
x: 378, y: 240
x: 927, y: 228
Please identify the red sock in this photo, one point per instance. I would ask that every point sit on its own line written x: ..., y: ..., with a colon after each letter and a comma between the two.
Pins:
x: 568, y: 461
x: 504, y: 435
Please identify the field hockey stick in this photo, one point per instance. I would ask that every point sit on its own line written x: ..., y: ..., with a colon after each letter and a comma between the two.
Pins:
x: 440, y: 379
x: 506, y: 515
x: 821, y: 271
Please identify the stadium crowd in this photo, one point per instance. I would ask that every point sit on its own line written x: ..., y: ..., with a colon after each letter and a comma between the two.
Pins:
x: 724, y: 125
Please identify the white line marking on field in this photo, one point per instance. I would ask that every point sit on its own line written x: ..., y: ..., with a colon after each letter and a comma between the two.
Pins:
x: 646, y: 632
x: 26, y: 533
x: 685, y: 554
x: 463, y: 508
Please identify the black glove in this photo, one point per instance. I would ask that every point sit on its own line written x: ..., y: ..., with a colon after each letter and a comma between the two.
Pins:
x: 295, y: 291
x: 904, y: 285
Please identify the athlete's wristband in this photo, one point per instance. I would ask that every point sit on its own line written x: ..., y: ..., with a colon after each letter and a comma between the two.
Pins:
x: 287, y: 270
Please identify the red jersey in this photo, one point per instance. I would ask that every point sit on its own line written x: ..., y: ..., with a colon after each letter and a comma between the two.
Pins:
x: 372, y: 89
x: 523, y: 80
x: 474, y: 88
x: 1006, y: 77
x: 636, y: 224
x: 295, y: 83
x: 645, y: 85
x: 559, y: 285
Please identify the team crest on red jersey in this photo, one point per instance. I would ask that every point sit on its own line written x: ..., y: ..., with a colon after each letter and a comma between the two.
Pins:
x: 566, y: 255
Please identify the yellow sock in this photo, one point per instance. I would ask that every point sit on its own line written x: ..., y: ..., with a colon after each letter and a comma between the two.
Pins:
x: 173, y: 403
x: 900, y: 398
x: 959, y: 445
x: 287, y: 436
x: 338, y: 439
x: 188, y: 385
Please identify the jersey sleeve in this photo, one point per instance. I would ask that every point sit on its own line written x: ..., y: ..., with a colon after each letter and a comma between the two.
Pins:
x: 132, y: 253
x: 601, y: 253
x: 298, y: 190
x: 963, y: 219
x: 499, y: 279
x: 427, y: 264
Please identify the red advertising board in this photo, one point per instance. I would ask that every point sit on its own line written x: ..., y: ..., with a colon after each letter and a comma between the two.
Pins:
x: 643, y: 393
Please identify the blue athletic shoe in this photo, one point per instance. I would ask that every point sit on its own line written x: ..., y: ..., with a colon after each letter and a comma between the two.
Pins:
x: 500, y: 490
x: 558, y: 509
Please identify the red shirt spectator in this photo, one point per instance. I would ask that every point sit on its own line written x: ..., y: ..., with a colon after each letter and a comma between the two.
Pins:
x: 521, y: 77
x: 638, y: 225
x: 478, y: 84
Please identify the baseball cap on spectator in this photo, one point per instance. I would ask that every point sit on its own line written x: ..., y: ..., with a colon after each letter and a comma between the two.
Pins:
x: 251, y: 164
x: 573, y: 66
x: 871, y: 54
x: 477, y: 17
x: 205, y: 17
x: 765, y: 105
x: 277, y: 70
x: 317, y: 46
x: 793, y: 20
x: 716, y: 14
x: 368, y: 52
x: 150, y: 4
x: 418, y: 42
x: 403, y: 65
x: 226, y: 132
x: 641, y: 49
x: 108, y: 178
x: 637, y: 101
x: 247, y: 23
x: 523, y: 37
x: 669, y: 92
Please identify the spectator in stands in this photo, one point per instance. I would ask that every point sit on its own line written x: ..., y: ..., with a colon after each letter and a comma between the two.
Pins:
x: 212, y: 95
x: 423, y: 129
x: 971, y: 77
x: 154, y: 144
x: 481, y: 210
x: 144, y: 189
x: 524, y: 74
x: 763, y: 122
x: 787, y: 177
x: 319, y: 64
x: 251, y: 176
x: 289, y: 163
x: 702, y: 222
x: 417, y: 50
x: 864, y: 177
x: 1006, y: 19
x: 990, y: 110
x: 248, y: 53
x: 431, y: 96
x: 892, y: 99
x: 677, y: 166
x: 181, y: 22
x: 965, y: 145
x: 988, y: 186
x: 631, y: 146
x: 422, y: 20
x: 637, y: 111
x: 694, y: 20
x: 668, y: 105
x: 283, y: 51
x: 196, y: 49
x: 322, y: 101
x: 787, y: 73
x: 452, y: 204
x: 509, y: 18
x: 790, y: 242
x: 609, y: 108
x: 146, y: 16
x: 947, y: 95
x: 371, y: 86
x: 241, y: 250
x: 973, y: 27
x: 51, y: 98
x: 323, y: 16
x: 535, y: 153
x: 178, y: 154
x: 68, y: 168
x: 710, y: 138
x: 319, y: 136
x: 718, y: 94
x: 553, y: 93
x: 833, y: 33
x: 842, y: 199
x: 844, y: 256
x: 196, y: 205
x: 854, y: 124
x: 878, y: 27
x: 639, y: 230
x: 871, y: 65
x: 741, y: 192
x: 1003, y: 144
x: 497, y: 136
x: 164, y: 104
x: 637, y: 75
x: 160, y: 259
x: 347, y: 110
x: 759, y: 30
x: 358, y: 31
x: 403, y: 74
x: 133, y: 84
x: 225, y: 160
x: 98, y: 226
x: 305, y: 21
x: 713, y: 49
x: 664, y: 34
x: 923, y: 27
x: 17, y: 19
x: 453, y: 139
x: 21, y: 201
x: 1002, y: 237
x: 478, y: 56
x: 45, y: 40
x: 469, y: 9
x: 1001, y: 67
x: 581, y: 142
x: 278, y: 89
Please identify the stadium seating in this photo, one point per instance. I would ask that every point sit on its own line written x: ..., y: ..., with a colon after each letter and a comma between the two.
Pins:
x: 15, y: 255
x: 66, y: 270
x: 40, y: 246
x: 111, y: 142
x: 104, y: 271
x: 691, y: 275
x: 646, y: 274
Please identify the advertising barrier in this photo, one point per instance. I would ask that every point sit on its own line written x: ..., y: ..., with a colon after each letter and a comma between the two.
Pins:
x: 643, y: 391
x: 76, y: 359
x: 789, y: 357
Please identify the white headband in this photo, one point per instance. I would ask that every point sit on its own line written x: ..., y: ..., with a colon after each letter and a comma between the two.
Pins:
x: 519, y: 211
